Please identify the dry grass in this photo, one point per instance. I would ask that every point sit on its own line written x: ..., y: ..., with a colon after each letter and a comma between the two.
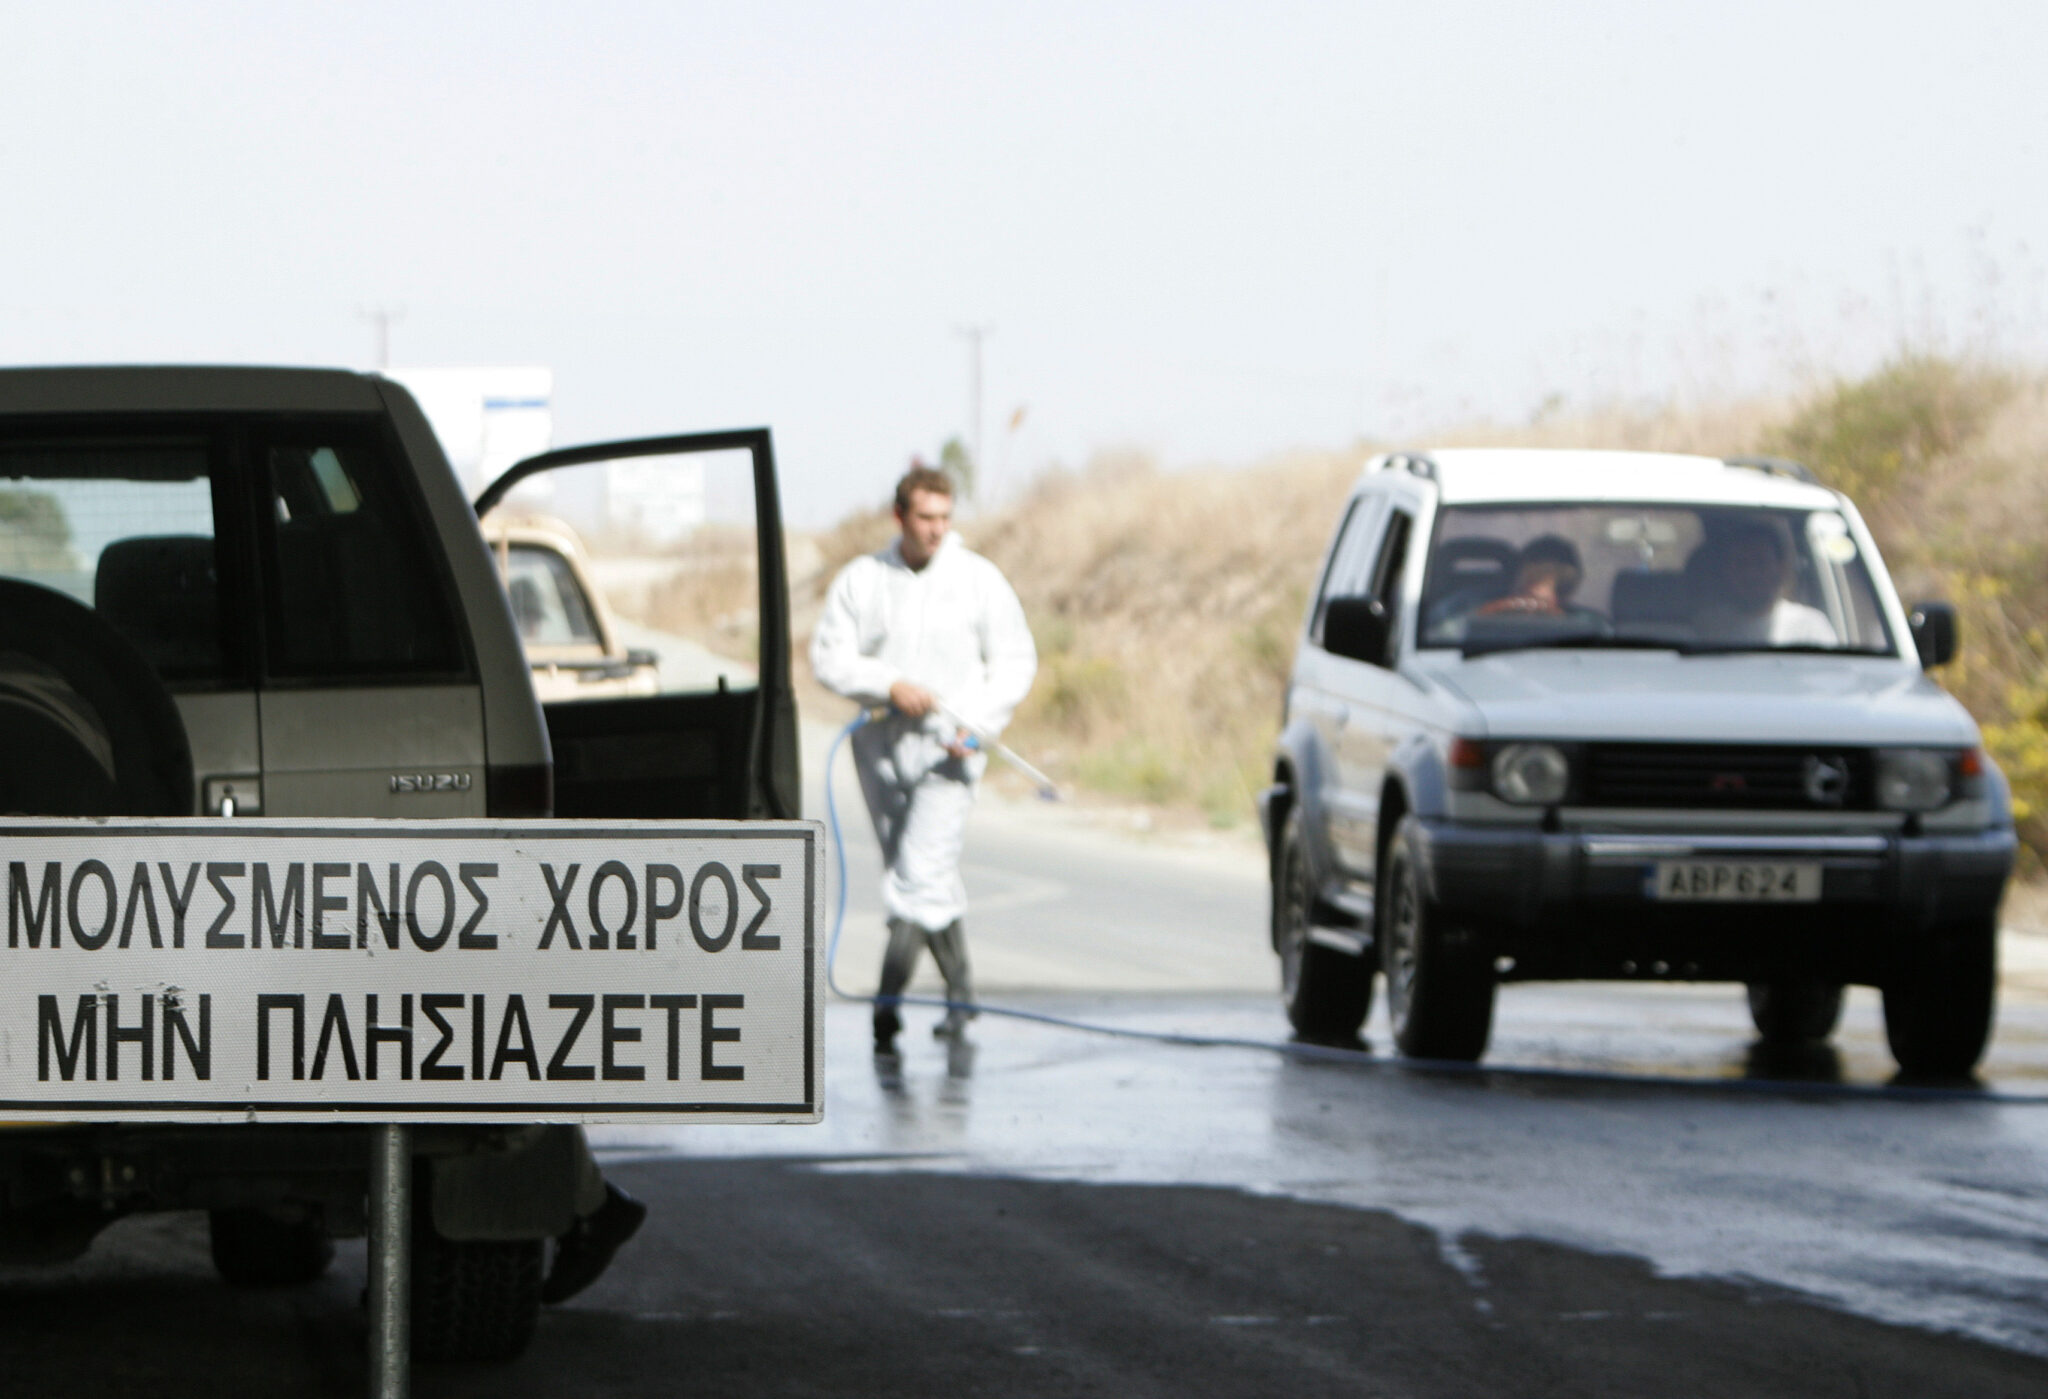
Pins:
x: 1167, y: 605
x: 1166, y: 609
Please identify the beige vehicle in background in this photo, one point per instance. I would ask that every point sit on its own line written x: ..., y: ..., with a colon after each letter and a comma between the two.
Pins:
x: 572, y: 641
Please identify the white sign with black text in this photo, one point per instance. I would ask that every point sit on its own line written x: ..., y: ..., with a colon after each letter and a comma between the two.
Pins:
x: 208, y: 970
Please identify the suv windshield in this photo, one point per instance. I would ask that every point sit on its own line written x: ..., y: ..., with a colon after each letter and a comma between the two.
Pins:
x: 1690, y: 577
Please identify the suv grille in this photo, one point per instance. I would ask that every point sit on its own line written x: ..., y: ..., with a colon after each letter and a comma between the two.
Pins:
x: 1709, y: 776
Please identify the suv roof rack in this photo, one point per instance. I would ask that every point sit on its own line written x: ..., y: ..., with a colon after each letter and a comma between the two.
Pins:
x: 1414, y: 463
x: 1774, y: 466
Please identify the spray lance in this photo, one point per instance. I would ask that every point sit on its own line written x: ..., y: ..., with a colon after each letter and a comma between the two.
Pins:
x: 976, y: 738
x: 979, y: 738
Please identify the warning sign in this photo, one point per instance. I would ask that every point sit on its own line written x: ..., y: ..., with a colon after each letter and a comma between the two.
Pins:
x: 214, y: 970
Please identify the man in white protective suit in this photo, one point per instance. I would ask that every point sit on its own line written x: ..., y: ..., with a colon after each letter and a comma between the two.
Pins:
x: 932, y: 630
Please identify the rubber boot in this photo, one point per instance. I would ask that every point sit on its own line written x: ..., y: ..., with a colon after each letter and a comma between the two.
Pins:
x: 949, y: 950
x: 906, y: 941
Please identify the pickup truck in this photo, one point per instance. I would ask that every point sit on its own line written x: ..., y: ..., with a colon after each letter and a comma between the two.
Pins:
x: 572, y: 640
x: 236, y: 592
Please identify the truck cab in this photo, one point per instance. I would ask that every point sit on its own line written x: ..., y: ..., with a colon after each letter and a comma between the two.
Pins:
x: 235, y: 592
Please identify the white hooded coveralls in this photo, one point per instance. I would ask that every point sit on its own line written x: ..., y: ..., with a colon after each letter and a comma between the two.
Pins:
x: 955, y: 628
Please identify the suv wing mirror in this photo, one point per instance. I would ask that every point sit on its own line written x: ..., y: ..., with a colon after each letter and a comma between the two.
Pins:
x: 1934, y: 633
x: 1356, y: 629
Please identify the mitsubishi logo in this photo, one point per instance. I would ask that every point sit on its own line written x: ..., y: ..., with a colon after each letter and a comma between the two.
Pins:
x: 1827, y: 780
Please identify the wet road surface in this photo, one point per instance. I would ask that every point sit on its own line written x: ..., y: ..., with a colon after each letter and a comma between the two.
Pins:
x: 1625, y: 1200
x: 1051, y: 1212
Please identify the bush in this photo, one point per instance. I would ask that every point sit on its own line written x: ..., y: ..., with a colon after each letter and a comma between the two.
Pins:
x: 1872, y: 437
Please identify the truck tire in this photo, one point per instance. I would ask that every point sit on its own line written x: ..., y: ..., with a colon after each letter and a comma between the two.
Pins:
x: 86, y: 727
x: 1327, y: 992
x: 1939, y: 1001
x: 1797, y: 1010
x: 1439, y: 986
x: 473, y: 1300
x: 253, y: 1249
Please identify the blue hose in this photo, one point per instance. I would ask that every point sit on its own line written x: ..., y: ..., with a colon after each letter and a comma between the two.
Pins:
x: 1331, y: 1053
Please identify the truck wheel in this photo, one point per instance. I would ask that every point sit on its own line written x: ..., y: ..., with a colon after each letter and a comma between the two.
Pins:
x: 86, y: 726
x: 252, y: 1249
x: 1327, y: 992
x: 1938, y: 1002
x: 473, y: 1299
x: 1439, y: 992
x: 1796, y: 1011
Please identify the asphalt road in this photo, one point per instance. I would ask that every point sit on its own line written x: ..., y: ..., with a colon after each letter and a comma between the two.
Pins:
x: 1626, y: 1200
x: 885, y: 1265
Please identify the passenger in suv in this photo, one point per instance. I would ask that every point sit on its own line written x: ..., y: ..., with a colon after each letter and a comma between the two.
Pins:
x: 1700, y: 745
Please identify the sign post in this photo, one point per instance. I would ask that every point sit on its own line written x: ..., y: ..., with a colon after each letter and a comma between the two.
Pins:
x: 390, y: 1261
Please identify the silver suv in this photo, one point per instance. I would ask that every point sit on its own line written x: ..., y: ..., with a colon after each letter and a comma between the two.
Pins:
x: 1561, y: 715
x: 236, y: 592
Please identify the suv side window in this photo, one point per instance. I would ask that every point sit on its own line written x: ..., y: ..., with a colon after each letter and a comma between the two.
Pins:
x: 1386, y: 575
x: 357, y: 586
x: 1351, y: 558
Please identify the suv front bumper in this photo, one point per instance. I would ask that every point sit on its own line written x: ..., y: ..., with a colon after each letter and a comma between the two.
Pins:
x: 1578, y: 903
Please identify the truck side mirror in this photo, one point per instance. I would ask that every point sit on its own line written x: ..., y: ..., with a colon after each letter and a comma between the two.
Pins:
x: 1356, y: 629
x: 1934, y: 633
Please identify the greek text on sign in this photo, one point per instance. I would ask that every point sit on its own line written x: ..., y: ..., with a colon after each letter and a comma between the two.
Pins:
x: 213, y: 970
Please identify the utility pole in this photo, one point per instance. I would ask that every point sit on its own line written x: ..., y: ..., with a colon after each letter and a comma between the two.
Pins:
x: 383, y: 318
x: 974, y: 334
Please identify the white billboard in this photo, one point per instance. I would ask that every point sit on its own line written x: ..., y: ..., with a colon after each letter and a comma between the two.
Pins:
x: 486, y: 416
x: 205, y: 970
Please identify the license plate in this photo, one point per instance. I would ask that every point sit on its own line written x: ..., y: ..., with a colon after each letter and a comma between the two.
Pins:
x: 1733, y: 881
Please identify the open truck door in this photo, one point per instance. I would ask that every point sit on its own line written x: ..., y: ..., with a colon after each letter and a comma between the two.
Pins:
x: 684, y: 541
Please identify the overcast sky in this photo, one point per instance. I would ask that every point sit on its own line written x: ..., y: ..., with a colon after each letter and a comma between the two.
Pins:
x: 1212, y: 231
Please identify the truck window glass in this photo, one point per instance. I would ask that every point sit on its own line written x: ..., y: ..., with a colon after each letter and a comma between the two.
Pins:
x: 1706, y: 575
x: 125, y: 526
x: 355, y: 586
x: 548, y: 601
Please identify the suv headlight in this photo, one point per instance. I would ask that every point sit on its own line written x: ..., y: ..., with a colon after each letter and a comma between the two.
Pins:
x: 1531, y: 774
x: 1915, y: 779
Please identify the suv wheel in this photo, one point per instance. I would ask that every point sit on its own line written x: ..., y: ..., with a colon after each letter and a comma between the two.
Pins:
x: 1439, y: 992
x: 475, y: 1300
x: 253, y: 1249
x: 1799, y: 1010
x: 1327, y: 992
x: 1938, y: 1001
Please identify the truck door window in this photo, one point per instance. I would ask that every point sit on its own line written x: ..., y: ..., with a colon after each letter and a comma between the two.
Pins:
x: 356, y: 583
x: 126, y: 526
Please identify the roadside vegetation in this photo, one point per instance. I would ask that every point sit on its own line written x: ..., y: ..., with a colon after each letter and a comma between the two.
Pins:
x: 1166, y: 605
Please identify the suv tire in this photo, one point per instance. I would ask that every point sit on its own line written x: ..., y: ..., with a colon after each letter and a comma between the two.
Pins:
x: 89, y: 730
x: 1797, y: 1010
x: 253, y: 1249
x: 1439, y: 987
x: 473, y: 1299
x: 1327, y: 992
x: 1938, y: 1001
